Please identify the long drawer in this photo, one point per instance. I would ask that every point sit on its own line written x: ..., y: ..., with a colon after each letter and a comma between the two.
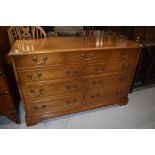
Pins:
x: 42, y: 60
x: 104, y: 82
x: 52, y: 89
x: 44, y: 107
x: 101, y: 68
x: 50, y: 73
x: 70, y: 71
x: 97, y: 97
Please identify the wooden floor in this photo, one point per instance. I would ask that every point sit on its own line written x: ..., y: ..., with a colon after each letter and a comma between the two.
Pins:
x: 138, y: 113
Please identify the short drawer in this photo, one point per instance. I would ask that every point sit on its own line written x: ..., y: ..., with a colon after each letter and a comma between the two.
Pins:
x: 107, y: 82
x: 86, y: 56
x: 52, y: 89
x: 54, y: 105
x: 102, y: 68
x: 5, y: 103
x: 106, y: 96
x: 122, y: 54
x: 41, y: 60
x: 50, y: 73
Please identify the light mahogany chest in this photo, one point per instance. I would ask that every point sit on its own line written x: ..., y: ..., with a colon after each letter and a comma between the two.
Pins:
x: 63, y: 75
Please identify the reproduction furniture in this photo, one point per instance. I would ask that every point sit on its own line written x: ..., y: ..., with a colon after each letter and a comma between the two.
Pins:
x: 145, y: 74
x: 8, y: 103
x: 64, y: 75
x: 25, y: 32
x: 9, y: 96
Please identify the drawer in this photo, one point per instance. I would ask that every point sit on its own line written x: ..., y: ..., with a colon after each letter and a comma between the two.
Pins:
x: 50, y: 74
x: 104, y: 82
x: 106, y: 96
x: 125, y: 66
x: 86, y: 56
x: 52, y: 89
x: 122, y: 54
x: 41, y: 60
x: 54, y: 105
x: 5, y: 104
x: 102, y: 68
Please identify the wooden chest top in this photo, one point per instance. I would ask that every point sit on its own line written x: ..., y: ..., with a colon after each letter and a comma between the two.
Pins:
x: 66, y: 44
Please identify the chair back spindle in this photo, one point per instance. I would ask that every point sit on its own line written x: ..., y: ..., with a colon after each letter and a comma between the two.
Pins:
x: 25, y: 32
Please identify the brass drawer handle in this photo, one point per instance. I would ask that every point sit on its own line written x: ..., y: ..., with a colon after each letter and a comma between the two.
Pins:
x: 96, y: 96
x: 39, y: 75
x: 87, y: 58
x: 83, y: 55
x: 99, y: 69
x: 67, y: 72
x: 71, y: 101
x: 40, y: 63
x: 71, y: 87
x: 124, y: 54
x: 31, y: 77
x: 39, y: 108
x: 71, y: 73
x: 43, y: 106
x: 67, y: 102
x: 41, y: 91
x: 98, y: 82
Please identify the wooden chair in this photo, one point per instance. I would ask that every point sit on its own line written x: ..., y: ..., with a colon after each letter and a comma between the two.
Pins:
x: 25, y: 32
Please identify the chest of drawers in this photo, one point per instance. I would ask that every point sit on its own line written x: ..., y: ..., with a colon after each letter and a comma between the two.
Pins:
x: 61, y: 76
x: 7, y: 103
